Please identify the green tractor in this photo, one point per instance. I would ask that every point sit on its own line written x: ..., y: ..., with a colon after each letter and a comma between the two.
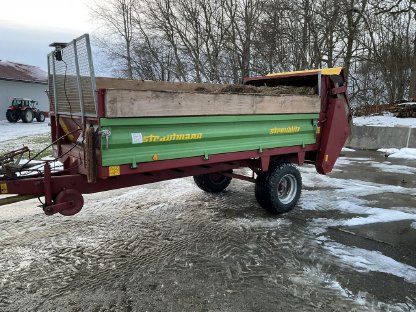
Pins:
x: 24, y: 109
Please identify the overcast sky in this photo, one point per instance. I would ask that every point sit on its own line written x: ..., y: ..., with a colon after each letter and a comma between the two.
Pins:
x: 27, y: 27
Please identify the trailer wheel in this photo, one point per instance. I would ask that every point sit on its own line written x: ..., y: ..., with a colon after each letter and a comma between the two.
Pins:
x: 279, y: 190
x: 260, y: 190
x: 212, y: 182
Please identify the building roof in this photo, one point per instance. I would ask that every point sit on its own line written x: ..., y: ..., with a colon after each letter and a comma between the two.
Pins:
x: 22, y: 72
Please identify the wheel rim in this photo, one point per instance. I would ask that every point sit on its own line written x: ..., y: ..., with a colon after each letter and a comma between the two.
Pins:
x: 287, y: 188
x: 73, y: 196
x: 28, y: 114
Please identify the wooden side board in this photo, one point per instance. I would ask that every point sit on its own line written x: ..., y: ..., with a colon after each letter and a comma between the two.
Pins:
x: 146, y: 103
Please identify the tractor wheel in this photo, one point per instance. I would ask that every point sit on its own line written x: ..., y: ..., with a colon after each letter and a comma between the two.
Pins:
x: 27, y: 115
x: 12, y: 115
x: 279, y: 190
x: 212, y: 182
x: 40, y: 117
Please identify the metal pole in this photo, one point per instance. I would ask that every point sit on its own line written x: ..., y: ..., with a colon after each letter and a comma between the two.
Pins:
x: 47, y: 184
x: 55, y: 93
x: 81, y: 95
x: 92, y: 74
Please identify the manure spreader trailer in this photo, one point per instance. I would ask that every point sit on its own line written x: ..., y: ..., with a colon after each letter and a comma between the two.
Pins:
x: 112, y: 133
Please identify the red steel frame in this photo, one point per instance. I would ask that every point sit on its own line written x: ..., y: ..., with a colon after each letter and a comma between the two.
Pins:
x: 333, y: 121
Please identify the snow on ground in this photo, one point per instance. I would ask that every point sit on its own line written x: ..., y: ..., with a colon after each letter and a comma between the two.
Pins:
x: 390, y: 168
x: 387, y: 120
x: 365, y: 260
x: 12, y: 131
x: 324, y: 189
x: 346, y: 149
x: 405, y: 153
x: 344, y: 161
x: 339, y: 191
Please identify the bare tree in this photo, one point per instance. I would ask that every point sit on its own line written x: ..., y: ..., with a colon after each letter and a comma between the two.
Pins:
x: 116, y: 17
x: 243, y: 16
x: 225, y: 40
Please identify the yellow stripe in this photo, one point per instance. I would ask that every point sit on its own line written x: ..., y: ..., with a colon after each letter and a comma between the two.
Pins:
x: 323, y: 71
x: 66, y: 130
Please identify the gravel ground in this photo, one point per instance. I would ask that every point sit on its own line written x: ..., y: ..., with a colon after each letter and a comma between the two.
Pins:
x: 169, y: 246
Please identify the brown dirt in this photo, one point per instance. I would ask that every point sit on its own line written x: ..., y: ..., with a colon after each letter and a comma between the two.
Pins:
x: 245, y: 89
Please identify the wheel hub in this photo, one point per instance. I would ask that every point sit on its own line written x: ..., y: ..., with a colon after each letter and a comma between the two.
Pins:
x: 286, y: 189
x: 73, y: 198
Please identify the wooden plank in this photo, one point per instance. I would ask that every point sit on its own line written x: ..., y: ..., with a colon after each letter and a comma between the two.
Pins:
x: 136, y: 103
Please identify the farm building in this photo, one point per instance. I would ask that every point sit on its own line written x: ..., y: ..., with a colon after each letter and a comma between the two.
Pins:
x: 22, y: 81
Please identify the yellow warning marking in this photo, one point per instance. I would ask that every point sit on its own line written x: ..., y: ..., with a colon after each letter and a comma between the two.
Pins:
x: 326, y: 157
x: 3, y: 188
x: 318, y: 130
x: 113, y: 171
x: 155, y: 157
x: 66, y: 130
x: 323, y: 71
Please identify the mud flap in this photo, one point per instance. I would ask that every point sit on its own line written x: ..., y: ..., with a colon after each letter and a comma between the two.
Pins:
x: 336, y: 129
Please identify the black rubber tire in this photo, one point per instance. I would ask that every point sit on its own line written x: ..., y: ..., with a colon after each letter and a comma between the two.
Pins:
x: 12, y: 115
x: 260, y: 190
x: 27, y: 115
x: 212, y: 182
x: 280, y: 189
x: 40, y: 117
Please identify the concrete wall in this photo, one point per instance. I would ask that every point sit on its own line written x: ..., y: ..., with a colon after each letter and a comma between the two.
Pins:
x: 373, y: 138
x: 12, y: 89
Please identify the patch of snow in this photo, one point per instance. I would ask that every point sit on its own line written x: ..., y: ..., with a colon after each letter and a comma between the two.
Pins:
x: 405, y: 153
x: 343, y: 161
x: 338, y: 197
x: 362, y: 298
x: 388, y: 167
x: 338, y: 193
x: 364, y: 260
x: 378, y: 215
x: 346, y: 149
x: 384, y: 121
x: 388, y: 151
x: 13, y: 131
x: 346, y: 187
x: 28, y: 71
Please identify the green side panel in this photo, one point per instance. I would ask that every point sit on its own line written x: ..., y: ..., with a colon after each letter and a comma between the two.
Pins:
x: 138, y: 140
